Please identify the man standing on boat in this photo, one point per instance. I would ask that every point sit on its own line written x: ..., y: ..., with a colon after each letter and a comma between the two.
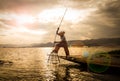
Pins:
x: 62, y: 43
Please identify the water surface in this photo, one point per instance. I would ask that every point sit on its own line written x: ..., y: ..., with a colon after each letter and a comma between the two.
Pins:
x: 30, y: 64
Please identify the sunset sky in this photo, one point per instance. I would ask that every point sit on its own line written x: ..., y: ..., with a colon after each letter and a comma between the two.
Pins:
x: 35, y: 21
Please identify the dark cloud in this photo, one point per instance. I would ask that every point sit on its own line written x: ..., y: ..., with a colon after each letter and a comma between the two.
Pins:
x: 105, y: 21
x: 111, y: 10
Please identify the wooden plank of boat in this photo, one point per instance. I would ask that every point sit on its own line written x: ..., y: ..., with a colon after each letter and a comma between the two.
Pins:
x: 98, y: 60
x: 74, y: 58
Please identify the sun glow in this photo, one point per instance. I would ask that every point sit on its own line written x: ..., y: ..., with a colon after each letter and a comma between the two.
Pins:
x: 72, y: 15
x: 23, y: 19
x: 24, y: 30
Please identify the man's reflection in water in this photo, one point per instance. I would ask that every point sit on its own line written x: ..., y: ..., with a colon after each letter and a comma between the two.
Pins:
x: 62, y: 73
x: 66, y: 72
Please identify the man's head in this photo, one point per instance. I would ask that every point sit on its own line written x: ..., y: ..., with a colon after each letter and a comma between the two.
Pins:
x: 61, y: 33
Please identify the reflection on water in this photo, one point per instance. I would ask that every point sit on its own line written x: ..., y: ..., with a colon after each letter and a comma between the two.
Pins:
x: 30, y: 64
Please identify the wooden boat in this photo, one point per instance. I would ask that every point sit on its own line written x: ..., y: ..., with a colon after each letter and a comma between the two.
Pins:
x: 97, y: 59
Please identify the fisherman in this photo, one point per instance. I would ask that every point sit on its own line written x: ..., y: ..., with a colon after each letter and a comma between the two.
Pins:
x: 62, y: 43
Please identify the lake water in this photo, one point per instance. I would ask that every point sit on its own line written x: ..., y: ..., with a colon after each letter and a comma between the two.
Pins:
x: 30, y: 64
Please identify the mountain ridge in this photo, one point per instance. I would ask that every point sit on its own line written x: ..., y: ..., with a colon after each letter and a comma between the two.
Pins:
x: 78, y: 43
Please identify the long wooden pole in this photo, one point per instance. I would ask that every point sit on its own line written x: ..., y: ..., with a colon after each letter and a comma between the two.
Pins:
x: 59, y: 26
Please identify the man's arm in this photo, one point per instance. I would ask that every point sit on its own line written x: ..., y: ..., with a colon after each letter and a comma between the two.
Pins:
x: 57, y: 30
x: 56, y: 41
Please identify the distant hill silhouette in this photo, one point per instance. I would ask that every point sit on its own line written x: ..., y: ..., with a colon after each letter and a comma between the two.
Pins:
x: 49, y: 44
x: 78, y: 43
x: 97, y: 42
